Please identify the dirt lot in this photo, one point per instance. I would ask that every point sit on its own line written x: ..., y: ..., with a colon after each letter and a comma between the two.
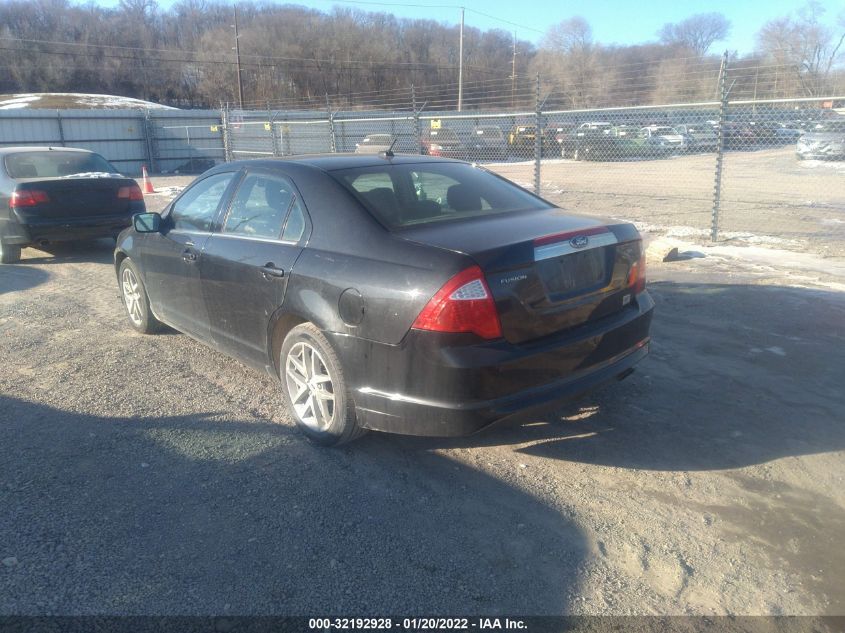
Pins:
x: 768, y: 196
x: 153, y: 475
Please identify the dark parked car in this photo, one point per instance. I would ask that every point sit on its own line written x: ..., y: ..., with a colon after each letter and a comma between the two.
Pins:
x: 58, y: 194
x: 587, y: 141
x: 405, y: 294
x: 442, y: 142
x: 488, y: 142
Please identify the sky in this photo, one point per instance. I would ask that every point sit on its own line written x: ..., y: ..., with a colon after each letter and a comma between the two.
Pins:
x: 613, y: 21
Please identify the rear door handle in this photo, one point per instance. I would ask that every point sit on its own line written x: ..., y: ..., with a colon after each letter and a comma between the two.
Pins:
x: 270, y: 271
x: 189, y: 255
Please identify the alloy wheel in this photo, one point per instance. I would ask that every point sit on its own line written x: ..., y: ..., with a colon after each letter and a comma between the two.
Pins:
x: 132, y: 296
x: 310, y: 386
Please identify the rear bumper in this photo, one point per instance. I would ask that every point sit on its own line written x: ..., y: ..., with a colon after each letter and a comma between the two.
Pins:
x: 65, y: 229
x: 452, y: 384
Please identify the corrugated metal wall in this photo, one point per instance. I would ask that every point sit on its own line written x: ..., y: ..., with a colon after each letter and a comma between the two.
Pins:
x: 165, y: 141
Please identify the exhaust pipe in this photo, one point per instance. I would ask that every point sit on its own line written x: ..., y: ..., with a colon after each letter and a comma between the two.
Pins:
x: 625, y: 374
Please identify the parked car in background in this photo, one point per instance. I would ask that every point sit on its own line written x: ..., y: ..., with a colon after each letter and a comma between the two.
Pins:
x: 378, y: 143
x: 488, y: 142
x: 59, y: 194
x: 824, y: 141
x: 587, y: 138
x: 664, y: 137
x: 442, y: 142
x: 738, y: 136
x: 522, y: 141
x: 698, y: 137
x: 405, y: 294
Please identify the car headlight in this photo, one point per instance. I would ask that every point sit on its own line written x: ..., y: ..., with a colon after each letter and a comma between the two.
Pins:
x: 436, y: 146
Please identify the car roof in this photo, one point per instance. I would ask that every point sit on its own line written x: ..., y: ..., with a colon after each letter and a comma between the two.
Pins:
x: 34, y: 148
x: 332, y: 162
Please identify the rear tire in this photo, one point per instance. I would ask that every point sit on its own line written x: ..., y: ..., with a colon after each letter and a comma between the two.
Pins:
x: 135, y: 299
x: 315, y: 389
x: 9, y: 254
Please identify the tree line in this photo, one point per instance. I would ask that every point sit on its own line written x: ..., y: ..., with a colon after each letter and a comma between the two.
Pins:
x: 183, y: 56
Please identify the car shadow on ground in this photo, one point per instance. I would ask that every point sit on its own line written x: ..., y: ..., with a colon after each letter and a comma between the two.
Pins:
x: 202, y: 514
x: 17, y: 277
x: 738, y: 375
x: 84, y: 251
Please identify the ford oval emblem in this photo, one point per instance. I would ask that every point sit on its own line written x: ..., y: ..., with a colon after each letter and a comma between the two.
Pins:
x: 579, y: 241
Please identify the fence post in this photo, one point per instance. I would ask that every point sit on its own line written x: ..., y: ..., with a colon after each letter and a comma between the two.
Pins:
x: 61, y: 127
x: 538, y: 138
x: 149, y: 140
x: 227, y: 141
x: 417, y: 130
x: 720, y: 148
x: 331, y: 125
x: 274, y: 144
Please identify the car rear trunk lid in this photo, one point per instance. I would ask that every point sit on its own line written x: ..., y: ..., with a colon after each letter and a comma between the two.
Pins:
x: 76, y: 197
x: 548, y: 272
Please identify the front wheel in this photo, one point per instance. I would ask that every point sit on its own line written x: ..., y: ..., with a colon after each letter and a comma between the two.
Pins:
x: 9, y: 254
x: 315, y: 388
x: 135, y: 299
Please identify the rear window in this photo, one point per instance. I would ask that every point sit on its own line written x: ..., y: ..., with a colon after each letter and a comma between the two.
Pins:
x: 405, y: 195
x: 53, y: 164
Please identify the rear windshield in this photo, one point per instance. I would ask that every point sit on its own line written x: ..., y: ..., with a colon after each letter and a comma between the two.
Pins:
x: 405, y: 195
x: 52, y: 164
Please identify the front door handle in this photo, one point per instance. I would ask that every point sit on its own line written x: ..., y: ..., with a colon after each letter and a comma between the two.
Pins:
x: 270, y: 271
x: 189, y: 255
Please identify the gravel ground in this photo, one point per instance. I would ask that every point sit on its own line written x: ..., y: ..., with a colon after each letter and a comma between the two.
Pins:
x: 152, y: 475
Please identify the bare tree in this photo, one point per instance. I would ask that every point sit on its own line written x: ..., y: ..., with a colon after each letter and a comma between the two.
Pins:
x: 697, y: 33
x: 568, y: 60
x: 804, y: 45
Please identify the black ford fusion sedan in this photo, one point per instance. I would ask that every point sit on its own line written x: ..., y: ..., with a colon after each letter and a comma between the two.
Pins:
x: 406, y: 294
x: 60, y: 194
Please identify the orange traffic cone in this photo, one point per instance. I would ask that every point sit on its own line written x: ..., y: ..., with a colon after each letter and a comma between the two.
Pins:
x: 148, y: 186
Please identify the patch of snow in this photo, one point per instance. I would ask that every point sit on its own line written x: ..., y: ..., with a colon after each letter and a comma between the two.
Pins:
x: 19, y: 101
x: 82, y: 100
x: 169, y: 192
x: 776, y: 350
x: 693, y: 232
x: 823, y: 164
x: 94, y: 174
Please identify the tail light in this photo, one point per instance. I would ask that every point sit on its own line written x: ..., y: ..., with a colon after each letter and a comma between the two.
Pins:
x: 463, y: 304
x: 636, y: 276
x: 28, y: 198
x: 132, y: 192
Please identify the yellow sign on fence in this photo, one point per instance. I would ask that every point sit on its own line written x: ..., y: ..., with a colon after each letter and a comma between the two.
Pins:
x: 215, y: 128
x: 435, y: 124
x: 267, y: 127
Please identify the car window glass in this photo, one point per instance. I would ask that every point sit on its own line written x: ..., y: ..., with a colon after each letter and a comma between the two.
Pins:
x: 435, y: 192
x: 260, y: 207
x: 195, y: 209
x: 56, y: 164
x: 295, y: 226
x: 435, y: 187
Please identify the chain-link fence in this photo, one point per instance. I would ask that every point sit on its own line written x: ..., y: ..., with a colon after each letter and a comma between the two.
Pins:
x: 756, y: 171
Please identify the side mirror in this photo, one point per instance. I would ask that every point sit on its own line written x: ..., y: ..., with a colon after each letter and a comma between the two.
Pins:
x: 146, y: 222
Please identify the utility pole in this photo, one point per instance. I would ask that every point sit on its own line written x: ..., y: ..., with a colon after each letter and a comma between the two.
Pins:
x: 238, y: 57
x: 513, y: 72
x: 461, y: 65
